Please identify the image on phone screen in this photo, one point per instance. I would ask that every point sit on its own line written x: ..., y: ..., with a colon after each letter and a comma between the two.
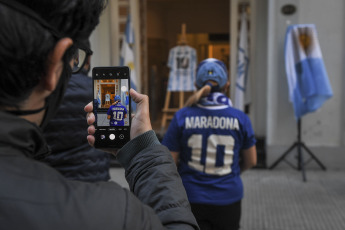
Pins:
x: 111, y: 103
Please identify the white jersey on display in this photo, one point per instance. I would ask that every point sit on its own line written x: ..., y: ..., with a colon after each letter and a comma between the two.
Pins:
x: 182, y: 63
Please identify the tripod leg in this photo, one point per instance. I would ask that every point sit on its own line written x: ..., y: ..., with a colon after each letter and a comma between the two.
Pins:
x: 313, y: 156
x: 300, y: 161
x: 283, y: 156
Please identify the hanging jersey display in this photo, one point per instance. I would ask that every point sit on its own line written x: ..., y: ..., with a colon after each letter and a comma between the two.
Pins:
x: 182, y: 63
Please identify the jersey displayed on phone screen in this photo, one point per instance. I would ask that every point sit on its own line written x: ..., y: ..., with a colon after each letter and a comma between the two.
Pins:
x: 111, y: 105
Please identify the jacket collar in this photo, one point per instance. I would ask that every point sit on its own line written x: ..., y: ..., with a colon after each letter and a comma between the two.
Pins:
x: 23, y: 135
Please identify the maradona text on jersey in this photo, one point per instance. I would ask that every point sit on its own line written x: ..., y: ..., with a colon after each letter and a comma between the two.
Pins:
x: 213, y: 122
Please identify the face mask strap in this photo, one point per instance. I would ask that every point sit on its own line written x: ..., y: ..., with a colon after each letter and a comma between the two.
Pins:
x: 26, y: 112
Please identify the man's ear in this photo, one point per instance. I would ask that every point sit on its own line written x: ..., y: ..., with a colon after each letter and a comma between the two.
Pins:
x: 55, y: 63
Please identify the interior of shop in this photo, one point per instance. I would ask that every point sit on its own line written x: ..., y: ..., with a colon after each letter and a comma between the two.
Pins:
x: 200, y: 24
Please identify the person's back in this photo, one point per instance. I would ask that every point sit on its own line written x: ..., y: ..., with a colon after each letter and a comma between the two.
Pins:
x: 117, y: 120
x: 212, y: 143
x: 65, y: 134
x: 117, y: 113
x: 37, y: 41
x: 210, y: 140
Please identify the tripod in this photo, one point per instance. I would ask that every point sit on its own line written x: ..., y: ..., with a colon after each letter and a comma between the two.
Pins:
x: 299, y: 145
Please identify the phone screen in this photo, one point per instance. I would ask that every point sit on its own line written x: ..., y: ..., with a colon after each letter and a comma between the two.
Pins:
x: 112, y: 106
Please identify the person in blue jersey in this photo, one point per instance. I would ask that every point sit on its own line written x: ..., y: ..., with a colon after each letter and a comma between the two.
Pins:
x: 117, y: 112
x: 212, y: 143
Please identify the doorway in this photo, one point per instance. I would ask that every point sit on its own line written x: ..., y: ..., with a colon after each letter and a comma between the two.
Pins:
x: 207, y: 30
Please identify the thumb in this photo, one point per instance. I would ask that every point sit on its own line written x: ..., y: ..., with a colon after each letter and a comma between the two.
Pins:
x: 137, y: 97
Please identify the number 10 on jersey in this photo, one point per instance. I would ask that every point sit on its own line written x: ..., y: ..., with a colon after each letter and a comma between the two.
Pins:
x: 214, y: 140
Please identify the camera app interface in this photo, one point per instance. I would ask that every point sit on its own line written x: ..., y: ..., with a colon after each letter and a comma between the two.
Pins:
x: 111, y: 102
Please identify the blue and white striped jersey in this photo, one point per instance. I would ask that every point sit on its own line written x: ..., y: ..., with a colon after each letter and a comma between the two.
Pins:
x: 209, y: 140
x: 107, y: 97
x: 182, y: 63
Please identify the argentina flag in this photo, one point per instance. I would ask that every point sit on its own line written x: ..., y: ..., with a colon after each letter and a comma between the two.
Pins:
x: 242, y: 65
x: 307, y: 77
x: 127, y: 55
x: 99, y: 98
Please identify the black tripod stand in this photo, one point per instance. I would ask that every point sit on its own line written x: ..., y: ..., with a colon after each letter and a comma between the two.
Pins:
x: 299, y: 144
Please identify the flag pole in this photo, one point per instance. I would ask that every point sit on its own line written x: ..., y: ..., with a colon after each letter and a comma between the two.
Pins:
x: 302, y: 46
x: 300, y: 161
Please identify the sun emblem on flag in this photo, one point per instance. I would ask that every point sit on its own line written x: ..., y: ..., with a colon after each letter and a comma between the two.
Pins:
x: 130, y: 65
x: 305, y: 39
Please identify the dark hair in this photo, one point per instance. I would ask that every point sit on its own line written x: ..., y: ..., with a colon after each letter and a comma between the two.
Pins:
x: 25, y: 44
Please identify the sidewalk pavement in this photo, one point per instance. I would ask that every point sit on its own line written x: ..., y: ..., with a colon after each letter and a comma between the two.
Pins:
x: 278, y: 199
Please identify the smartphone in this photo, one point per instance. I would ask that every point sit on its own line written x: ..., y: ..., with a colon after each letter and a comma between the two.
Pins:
x: 111, y: 106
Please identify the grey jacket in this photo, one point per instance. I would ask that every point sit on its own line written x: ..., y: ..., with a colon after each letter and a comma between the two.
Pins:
x: 35, y: 196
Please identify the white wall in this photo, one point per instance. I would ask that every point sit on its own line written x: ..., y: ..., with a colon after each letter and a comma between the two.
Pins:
x: 324, y: 127
x: 259, y: 70
x: 322, y: 131
x: 100, y: 41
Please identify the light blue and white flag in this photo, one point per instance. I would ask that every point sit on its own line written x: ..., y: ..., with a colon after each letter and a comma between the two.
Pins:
x: 127, y: 55
x: 242, y: 65
x: 99, y: 98
x: 307, y: 77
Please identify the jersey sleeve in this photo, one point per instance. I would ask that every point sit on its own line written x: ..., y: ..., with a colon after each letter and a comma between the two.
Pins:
x: 194, y: 59
x: 172, y: 136
x: 249, y: 136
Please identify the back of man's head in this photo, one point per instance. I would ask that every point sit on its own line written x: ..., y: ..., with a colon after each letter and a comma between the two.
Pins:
x: 25, y: 42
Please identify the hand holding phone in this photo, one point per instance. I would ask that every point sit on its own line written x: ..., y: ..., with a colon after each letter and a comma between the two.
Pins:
x: 111, y: 106
x: 140, y: 122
